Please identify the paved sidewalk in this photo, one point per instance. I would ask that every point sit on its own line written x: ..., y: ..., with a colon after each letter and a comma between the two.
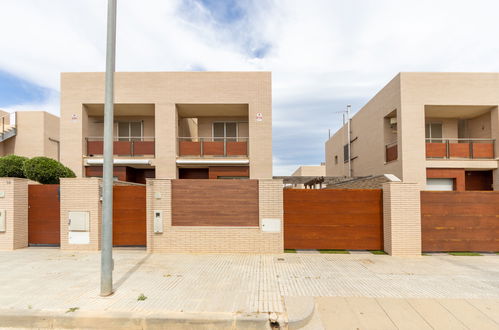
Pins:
x: 51, y: 280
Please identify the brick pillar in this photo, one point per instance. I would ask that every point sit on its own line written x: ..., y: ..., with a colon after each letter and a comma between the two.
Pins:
x: 158, y: 197
x: 495, y: 182
x: 14, y: 200
x: 402, y: 219
x: 83, y: 195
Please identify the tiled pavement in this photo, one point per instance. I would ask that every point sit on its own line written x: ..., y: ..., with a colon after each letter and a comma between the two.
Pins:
x: 50, y: 279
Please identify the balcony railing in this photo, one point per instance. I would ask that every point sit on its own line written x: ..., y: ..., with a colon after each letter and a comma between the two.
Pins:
x: 460, y: 148
x: 391, y: 152
x: 212, y: 147
x: 122, y: 146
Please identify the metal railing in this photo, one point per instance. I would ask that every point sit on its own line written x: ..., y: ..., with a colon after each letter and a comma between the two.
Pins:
x: 8, y: 124
x: 122, y: 146
x: 212, y: 147
x: 440, y: 148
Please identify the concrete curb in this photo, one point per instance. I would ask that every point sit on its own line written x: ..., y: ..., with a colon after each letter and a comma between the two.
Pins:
x: 299, y: 310
x: 119, y: 320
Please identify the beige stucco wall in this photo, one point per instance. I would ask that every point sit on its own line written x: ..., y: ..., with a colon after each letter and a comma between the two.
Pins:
x: 165, y: 90
x: 368, y: 128
x: 81, y: 194
x: 409, y: 93
x: 15, y: 203
x: 34, y: 128
x: 310, y: 170
x: 201, y: 239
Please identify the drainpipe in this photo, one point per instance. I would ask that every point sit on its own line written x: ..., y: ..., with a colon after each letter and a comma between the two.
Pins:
x: 349, y: 143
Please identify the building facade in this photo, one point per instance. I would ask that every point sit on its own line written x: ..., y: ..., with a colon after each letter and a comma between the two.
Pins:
x: 435, y: 129
x: 309, y: 170
x: 29, y: 134
x: 170, y: 125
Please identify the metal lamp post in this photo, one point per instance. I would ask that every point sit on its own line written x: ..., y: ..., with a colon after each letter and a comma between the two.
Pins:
x: 107, y: 263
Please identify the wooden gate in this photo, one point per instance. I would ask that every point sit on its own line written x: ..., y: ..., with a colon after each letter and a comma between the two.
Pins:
x: 460, y: 221
x: 129, y: 216
x: 44, y: 214
x: 333, y: 219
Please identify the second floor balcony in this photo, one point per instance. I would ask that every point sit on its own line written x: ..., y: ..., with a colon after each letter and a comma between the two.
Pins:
x: 212, y: 147
x: 460, y: 148
x: 122, y: 146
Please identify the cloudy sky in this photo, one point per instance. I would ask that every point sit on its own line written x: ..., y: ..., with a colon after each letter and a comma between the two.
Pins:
x: 323, y: 54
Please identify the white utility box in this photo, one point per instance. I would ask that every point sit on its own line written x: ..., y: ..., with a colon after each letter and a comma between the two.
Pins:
x: 158, y: 222
x: 3, y: 221
x: 271, y: 225
x: 79, y: 221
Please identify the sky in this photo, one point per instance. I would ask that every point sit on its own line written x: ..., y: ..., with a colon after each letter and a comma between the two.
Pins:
x: 323, y: 54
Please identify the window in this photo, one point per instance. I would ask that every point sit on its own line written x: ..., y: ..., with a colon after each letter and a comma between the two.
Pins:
x: 345, y: 153
x: 433, y: 132
x: 130, y: 130
x: 225, y: 130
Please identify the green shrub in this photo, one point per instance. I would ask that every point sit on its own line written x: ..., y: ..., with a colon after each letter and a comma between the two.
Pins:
x: 46, y: 170
x: 12, y: 166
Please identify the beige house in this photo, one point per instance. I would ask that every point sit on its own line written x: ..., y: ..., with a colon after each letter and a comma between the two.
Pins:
x: 435, y: 129
x: 170, y: 125
x: 29, y: 134
x: 309, y: 171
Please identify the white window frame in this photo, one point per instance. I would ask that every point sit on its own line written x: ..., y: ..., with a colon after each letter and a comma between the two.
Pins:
x: 129, y: 129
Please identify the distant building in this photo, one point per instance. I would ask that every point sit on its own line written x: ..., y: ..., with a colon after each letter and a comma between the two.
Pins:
x: 29, y: 134
x: 436, y: 129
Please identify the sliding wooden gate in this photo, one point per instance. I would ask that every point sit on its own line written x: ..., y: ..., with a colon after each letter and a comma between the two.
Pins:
x: 333, y: 219
x: 460, y: 221
x: 129, y: 216
x: 44, y: 225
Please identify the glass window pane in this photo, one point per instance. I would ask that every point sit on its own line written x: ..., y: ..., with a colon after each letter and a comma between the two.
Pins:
x: 136, y: 130
x: 231, y: 131
x: 427, y: 131
x: 436, y: 132
x: 218, y: 130
x: 123, y: 131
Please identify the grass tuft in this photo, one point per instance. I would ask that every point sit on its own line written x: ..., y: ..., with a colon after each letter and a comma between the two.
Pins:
x: 141, y: 297
x: 334, y: 251
x: 72, y: 309
x: 289, y: 251
x: 377, y: 252
x: 464, y: 254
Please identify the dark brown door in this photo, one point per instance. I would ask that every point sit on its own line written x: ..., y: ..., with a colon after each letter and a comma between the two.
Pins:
x: 129, y: 216
x: 478, y: 180
x: 193, y: 173
x: 44, y: 214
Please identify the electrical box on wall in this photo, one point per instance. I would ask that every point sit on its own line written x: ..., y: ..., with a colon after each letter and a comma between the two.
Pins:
x: 271, y: 225
x: 79, y: 221
x: 3, y: 221
x: 158, y: 222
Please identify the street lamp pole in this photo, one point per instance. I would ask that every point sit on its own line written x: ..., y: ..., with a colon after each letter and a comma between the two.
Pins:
x: 107, y: 263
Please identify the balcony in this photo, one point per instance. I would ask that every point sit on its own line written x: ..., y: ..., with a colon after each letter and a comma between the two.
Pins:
x: 135, y: 146
x: 212, y: 147
x: 391, y: 152
x: 460, y: 148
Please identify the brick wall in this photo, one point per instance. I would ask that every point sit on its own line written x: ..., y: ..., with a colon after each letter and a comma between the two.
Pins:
x: 81, y: 194
x: 401, y: 219
x: 193, y: 239
x: 15, y: 202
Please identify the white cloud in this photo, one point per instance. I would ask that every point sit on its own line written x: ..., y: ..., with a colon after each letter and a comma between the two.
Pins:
x: 321, y: 52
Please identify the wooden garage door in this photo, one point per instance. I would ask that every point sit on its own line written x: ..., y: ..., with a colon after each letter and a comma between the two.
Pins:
x: 44, y: 214
x: 460, y: 221
x: 333, y: 219
x: 129, y: 215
